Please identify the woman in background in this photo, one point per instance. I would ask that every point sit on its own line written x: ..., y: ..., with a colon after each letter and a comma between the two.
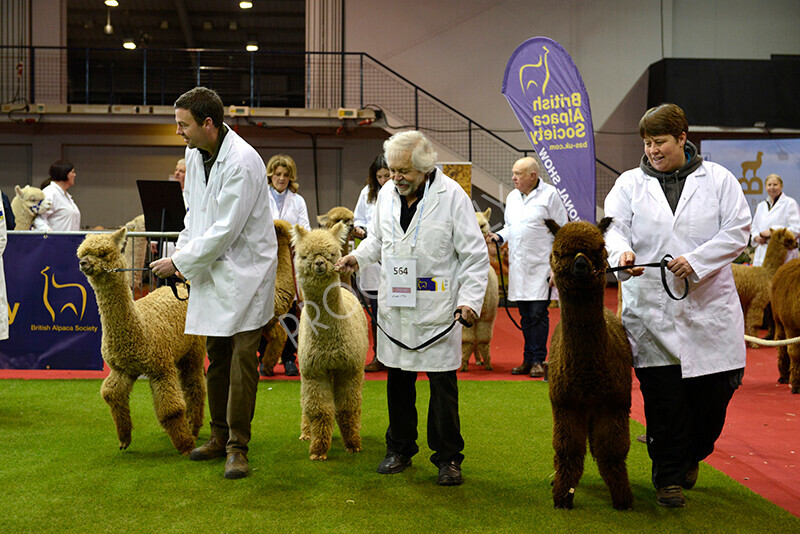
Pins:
x: 776, y: 211
x: 63, y: 214
x: 369, y: 277
x: 290, y: 207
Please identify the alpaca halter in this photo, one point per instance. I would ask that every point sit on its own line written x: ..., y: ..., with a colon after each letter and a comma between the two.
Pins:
x: 663, y: 265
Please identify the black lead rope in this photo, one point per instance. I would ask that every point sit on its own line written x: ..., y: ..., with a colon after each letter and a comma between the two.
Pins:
x: 172, y: 280
x: 434, y: 339
x: 503, y: 285
x: 663, y: 265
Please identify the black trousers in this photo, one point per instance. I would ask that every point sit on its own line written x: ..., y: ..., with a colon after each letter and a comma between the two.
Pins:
x: 684, y: 417
x: 444, y: 425
x: 535, y: 323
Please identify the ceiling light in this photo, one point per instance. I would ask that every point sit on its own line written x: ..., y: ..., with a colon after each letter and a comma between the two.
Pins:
x: 112, y: 3
x: 252, y: 46
x: 108, y: 29
x: 128, y: 44
x: 245, y: 5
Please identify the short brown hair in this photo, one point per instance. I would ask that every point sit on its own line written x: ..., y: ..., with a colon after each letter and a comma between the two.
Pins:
x: 202, y: 102
x: 282, y: 160
x: 664, y: 119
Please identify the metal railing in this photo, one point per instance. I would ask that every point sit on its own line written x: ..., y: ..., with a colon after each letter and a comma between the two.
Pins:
x: 257, y: 79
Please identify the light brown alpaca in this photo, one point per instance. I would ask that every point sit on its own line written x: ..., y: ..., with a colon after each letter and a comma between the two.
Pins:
x: 590, y: 368
x: 346, y: 217
x: 477, y: 338
x: 753, y: 283
x: 145, y: 337
x: 274, y: 332
x: 333, y: 343
x: 786, y: 312
x: 26, y: 205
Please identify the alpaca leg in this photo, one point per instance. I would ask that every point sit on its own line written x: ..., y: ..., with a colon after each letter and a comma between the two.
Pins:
x: 466, y: 352
x: 191, y: 374
x: 484, y: 341
x: 171, y: 411
x: 570, y: 428
x: 276, y: 339
x: 318, y: 407
x: 610, y: 441
x: 753, y: 318
x: 116, y: 390
x: 347, y: 399
x: 794, y: 363
x: 783, y: 355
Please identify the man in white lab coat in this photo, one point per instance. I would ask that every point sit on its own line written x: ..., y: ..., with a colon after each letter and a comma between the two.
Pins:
x: 228, y: 251
x: 689, y: 355
x: 433, y: 263
x: 529, y: 245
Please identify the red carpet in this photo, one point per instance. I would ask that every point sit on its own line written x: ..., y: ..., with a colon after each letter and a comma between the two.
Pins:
x: 759, y: 446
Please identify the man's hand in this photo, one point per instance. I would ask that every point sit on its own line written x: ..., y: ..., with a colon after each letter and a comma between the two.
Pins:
x: 629, y: 258
x: 347, y: 264
x: 163, y: 268
x: 492, y: 237
x: 359, y: 232
x: 680, y: 267
x: 467, y: 314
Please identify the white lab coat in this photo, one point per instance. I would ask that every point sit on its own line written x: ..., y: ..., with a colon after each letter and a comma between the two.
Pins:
x: 704, y: 332
x: 63, y: 214
x: 530, y: 241
x: 294, y: 210
x: 3, y: 295
x: 228, y: 248
x: 368, y: 277
x: 784, y: 214
x: 451, y: 249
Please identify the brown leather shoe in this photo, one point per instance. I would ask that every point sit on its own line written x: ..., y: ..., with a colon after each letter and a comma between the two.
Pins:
x: 537, y: 370
x: 236, y: 465
x: 523, y: 369
x: 213, y: 448
x: 375, y: 365
x: 670, y: 497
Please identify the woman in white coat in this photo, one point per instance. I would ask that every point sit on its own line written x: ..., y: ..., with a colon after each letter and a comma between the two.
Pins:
x: 63, y: 214
x: 689, y: 355
x: 776, y: 211
x: 369, y: 277
x: 290, y: 207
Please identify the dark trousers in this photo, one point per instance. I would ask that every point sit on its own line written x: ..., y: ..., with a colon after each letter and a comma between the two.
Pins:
x: 535, y: 323
x: 232, y: 384
x: 444, y: 425
x: 684, y: 417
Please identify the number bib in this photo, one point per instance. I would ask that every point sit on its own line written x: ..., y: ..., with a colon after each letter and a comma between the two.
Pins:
x: 401, y: 274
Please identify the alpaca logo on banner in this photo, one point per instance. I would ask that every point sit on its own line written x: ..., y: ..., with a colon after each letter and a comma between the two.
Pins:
x: 46, y: 295
x: 546, y: 93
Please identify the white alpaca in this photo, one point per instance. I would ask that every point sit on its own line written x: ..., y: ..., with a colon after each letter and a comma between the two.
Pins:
x: 333, y: 343
x: 27, y: 204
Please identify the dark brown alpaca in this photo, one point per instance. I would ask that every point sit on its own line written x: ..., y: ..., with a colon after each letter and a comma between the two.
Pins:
x: 589, y: 369
x: 786, y: 312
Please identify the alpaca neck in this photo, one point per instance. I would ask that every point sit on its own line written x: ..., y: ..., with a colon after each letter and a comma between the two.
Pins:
x: 117, y: 311
x: 582, y: 318
x: 774, y: 257
x: 23, y: 219
x: 329, y: 301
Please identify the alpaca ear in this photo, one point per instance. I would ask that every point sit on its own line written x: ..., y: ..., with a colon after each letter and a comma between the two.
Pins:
x: 552, y: 225
x: 340, y: 231
x: 604, y: 223
x: 487, y: 213
x: 18, y: 190
x: 119, y: 238
x: 322, y: 220
x: 298, y: 233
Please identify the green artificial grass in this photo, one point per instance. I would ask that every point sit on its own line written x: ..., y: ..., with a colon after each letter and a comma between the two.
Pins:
x: 61, y: 471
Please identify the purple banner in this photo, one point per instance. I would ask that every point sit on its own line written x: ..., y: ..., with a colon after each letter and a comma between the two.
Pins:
x: 54, y: 322
x: 546, y: 92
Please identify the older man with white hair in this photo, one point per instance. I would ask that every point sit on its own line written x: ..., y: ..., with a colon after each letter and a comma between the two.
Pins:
x: 434, y: 267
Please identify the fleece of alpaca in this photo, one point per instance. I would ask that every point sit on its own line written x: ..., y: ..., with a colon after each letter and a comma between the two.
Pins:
x: 589, y: 368
x: 477, y: 339
x: 333, y: 342
x: 346, y: 217
x: 786, y: 313
x: 28, y: 202
x: 753, y: 283
x: 274, y: 332
x: 145, y: 337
